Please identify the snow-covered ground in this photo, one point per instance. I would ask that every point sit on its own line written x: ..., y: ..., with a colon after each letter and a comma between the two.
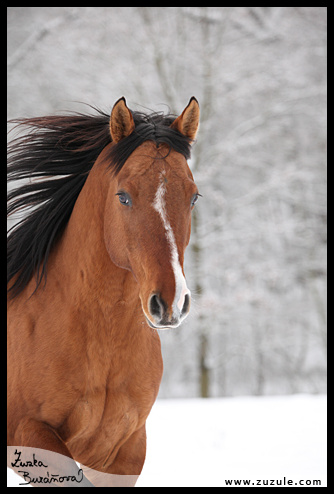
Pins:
x: 204, y: 442
x: 198, y: 442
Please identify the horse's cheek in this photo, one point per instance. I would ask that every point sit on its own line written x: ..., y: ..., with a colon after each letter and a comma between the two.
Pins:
x: 115, y: 240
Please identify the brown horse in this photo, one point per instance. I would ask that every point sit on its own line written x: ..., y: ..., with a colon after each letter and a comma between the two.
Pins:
x: 94, y: 268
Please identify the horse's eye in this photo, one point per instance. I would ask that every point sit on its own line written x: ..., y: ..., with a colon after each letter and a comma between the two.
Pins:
x: 124, y: 198
x: 195, y: 199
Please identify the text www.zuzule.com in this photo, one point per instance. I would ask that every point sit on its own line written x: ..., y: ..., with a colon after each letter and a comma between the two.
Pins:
x: 272, y: 482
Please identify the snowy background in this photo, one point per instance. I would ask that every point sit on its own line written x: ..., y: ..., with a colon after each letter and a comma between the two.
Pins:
x: 256, y: 263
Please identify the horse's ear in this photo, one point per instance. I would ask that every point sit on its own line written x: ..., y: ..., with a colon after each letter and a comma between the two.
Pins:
x: 121, y: 121
x: 188, y: 122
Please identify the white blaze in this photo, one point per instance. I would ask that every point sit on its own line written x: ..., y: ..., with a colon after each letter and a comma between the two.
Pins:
x: 181, y: 289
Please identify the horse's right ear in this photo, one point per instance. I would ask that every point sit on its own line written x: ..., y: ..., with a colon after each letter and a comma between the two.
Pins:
x: 121, y: 121
x: 188, y: 122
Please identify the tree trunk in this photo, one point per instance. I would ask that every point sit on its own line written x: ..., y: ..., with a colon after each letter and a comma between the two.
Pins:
x: 204, y: 368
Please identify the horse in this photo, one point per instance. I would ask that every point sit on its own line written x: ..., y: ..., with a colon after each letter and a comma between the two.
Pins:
x: 95, y: 269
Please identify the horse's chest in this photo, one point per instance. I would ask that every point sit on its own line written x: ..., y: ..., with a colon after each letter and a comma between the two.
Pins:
x: 84, y: 418
x: 104, y: 417
x: 99, y: 425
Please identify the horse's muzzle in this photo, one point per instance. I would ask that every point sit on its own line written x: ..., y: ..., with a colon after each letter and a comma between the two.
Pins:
x: 163, y: 317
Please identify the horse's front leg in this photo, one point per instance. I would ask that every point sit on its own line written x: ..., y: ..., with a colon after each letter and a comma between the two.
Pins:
x: 126, y: 466
x: 42, y: 459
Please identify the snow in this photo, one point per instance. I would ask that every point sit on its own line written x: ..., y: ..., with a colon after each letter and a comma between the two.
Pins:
x: 204, y: 442
x: 200, y: 442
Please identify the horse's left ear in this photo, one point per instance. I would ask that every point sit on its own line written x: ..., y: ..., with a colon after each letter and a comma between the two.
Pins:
x: 121, y: 121
x: 188, y: 122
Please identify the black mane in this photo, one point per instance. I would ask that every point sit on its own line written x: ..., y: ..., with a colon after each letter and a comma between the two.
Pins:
x: 60, y: 151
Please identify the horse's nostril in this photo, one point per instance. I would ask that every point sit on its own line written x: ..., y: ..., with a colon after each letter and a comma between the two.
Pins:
x: 157, y: 307
x: 186, y: 305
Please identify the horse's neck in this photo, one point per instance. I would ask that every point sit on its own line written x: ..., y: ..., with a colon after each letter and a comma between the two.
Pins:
x: 81, y: 262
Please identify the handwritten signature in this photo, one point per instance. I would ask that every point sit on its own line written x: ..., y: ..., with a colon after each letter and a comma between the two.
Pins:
x: 40, y: 479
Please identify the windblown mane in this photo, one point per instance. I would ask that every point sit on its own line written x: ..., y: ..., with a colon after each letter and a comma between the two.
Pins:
x: 59, y: 151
